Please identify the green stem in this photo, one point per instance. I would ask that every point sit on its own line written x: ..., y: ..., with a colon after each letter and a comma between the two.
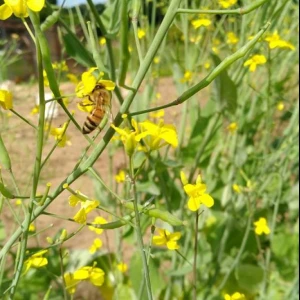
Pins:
x: 36, y: 172
x: 139, y: 231
x: 195, y: 255
x: 22, y: 118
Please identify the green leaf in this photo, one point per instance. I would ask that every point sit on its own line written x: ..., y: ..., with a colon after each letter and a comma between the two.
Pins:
x: 148, y: 187
x: 124, y: 292
x: 225, y: 88
x: 136, y: 275
x: 111, y: 18
x: 76, y: 50
x: 249, y: 277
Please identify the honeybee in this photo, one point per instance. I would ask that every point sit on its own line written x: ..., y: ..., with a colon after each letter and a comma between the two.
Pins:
x: 101, y: 100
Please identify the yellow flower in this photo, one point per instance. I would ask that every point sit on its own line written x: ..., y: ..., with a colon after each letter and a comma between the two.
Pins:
x: 98, y: 220
x: 102, y: 41
x: 60, y: 135
x: 86, y: 105
x: 90, y: 273
x: 280, y: 106
x: 232, y: 39
x: 187, y: 76
x: 35, y: 110
x: 70, y: 283
x: 255, y: 60
x: 6, y: 99
x: 275, y: 42
x: 165, y: 238
x: 72, y: 78
x: 156, y: 136
x: 236, y: 188
x: 89, y: 81
x: 36, y: 260
x: 156, y: 59
x: 31, y: 227
x: 232, y: 127
x: 97, y: 244
x: 62, y: 66
x: 235, y: 296
x: 157, y: 114
x: 227, y: 3
x: 19, y: 8
x: 86, y: 207
x: 195, y: 39
x: 261, y: 226
x: 207, y: 65
x: 122, y: 267
x: 120, y: 177
x: 216, y: 43
x: 197, y: 193
x: 18, y: 202
x: 202, y: 21
x: 141, y: 33
x: 128, y: 137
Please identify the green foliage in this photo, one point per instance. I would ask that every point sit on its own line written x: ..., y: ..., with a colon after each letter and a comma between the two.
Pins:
x: 236, y: 128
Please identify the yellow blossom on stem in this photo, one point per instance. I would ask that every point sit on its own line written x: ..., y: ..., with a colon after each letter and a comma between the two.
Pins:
x: 156, y: 60
x: 237, y: 188
x: 19, y: 8
x: 141, y: 33
x: 202, y: 21
x: 187, y: 76
x: 90, y: 273
x: 165, y: 238
x: 232, y: 39
x: 128, y: 137
x: 122, y: 267
x: 6, y: 99
x: 97, y: 220
x: 275, y: 41
x: 156, y: 136
x: 227, y: 3
x: 102, y: 41
x: 71, y: 283
x: 232, y: 127
x: 120, y: 177
x: 261, y: 226
x: 89, y: 81
x: 257, y: 59
x: 197, y: 194
x: 157, y: 114
x: 235, y: 296
x: 97, y: 244
x: 36, y: 260
x: 60, y: 135
x: 280, y: 106
x: 31, y: 227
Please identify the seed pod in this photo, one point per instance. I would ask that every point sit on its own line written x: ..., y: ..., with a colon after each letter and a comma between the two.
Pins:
x: 50, y: 20
x: 4, y: 157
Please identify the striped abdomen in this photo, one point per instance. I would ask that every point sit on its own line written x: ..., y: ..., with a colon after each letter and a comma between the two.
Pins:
x: 93, y: 120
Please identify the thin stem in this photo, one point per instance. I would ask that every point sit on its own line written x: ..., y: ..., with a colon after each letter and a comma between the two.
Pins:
x: 22, y: 118
x: 195, y: 255
x: 139, y: 231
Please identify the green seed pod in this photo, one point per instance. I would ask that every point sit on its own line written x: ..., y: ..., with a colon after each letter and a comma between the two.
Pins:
x: 158, y: 214
x: 4, y: 157
x: 50, y: 20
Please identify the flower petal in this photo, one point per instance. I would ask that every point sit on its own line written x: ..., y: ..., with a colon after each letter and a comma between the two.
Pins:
x: 35, y: 5
x: 5, y: 12
x: 207, y: 200
x: 194, y: 203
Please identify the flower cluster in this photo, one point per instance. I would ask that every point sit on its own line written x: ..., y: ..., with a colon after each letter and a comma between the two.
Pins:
x: 19, y: 8
x: 197, y: 193
x: 88, y: 273
x: 153, y: 135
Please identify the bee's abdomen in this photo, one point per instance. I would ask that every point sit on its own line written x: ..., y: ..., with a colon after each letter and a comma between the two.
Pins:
x: 92, y: 121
